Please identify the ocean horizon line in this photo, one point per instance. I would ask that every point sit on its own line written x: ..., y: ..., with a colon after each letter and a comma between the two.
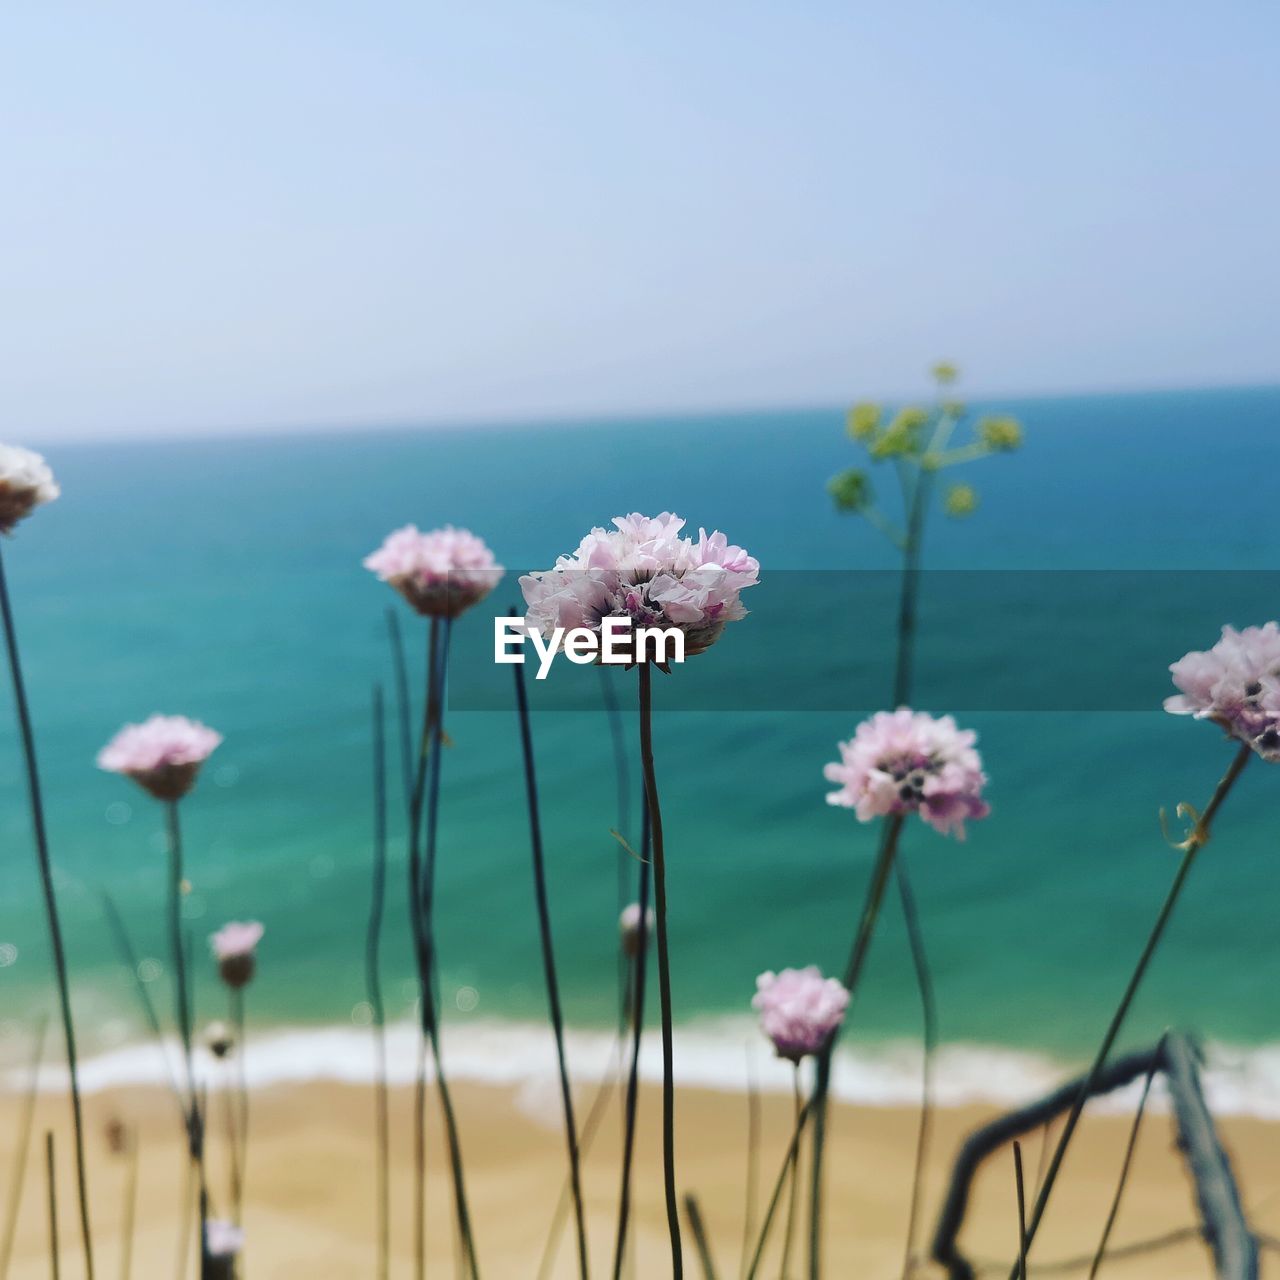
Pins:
x: 377, y: 425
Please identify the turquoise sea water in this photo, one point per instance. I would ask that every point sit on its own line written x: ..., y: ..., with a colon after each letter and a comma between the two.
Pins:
x: 222, y: 579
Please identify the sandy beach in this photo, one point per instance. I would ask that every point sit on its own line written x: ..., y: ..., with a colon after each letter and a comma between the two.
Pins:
x: 310, y: 1205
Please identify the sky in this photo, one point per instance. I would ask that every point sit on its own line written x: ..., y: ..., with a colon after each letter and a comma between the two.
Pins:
x: 260, y: 214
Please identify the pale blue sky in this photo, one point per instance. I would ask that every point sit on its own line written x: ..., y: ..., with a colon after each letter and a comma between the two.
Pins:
x: 257, y: 213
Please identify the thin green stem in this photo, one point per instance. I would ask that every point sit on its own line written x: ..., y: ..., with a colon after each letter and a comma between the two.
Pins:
x: 129, y: 959
x: 701, y: 1242
x: 595, y: 1113
x: 1021, y: 1190
x: 794, y: 1176
x: 788, y: 1160
x: 852, y: 976
x: 637, y: 987
x: 236, y: 995
x: 129, y: 1215
x: 373, y: 989
x: 1198, y: 838
x: 425, y: 804
x: 45, y: 866
x: 1130, y: 1147
x: 664, y: 969
x: 52, y: 1188
x: 549, y: 963
x: 929, y: 1013
x: 22, y: 1151
x: 753, y: 1162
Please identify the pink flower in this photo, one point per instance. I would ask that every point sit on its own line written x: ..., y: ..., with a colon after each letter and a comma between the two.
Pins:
x: 441, y: 573
x: 234, y: 948
x: 905, y: 761
x: 799, y: 1010
x: 645, y: 570
x: 25, y: 483
x: 163, y: 754
x: 1236, y: 684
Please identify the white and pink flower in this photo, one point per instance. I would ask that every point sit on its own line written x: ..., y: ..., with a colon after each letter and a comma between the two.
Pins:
x: 1236, y: 685
x: 26, y: 482
x: 222, y: 1240
x: 235, y: 947
x: 441, y: 573
x: 906, y: 761
x: 162, y: 754
x: 646, y: 570
x: 799, y: 1010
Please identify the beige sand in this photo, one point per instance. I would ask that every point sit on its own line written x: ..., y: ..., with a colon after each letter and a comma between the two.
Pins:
x: 311, y: 1202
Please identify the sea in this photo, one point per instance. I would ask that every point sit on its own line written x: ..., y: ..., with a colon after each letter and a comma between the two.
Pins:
x: 222, y: 579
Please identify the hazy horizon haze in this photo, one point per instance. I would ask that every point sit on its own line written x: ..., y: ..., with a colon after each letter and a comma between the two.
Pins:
x: 231, y: 219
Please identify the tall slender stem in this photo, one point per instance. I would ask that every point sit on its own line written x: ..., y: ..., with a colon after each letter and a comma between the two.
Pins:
x: 21, y: 1150
x: 373, y: 989
x: 637, y: 986
x: 1130, y: 1147
x: 130, y: 1208
x: 929, y: 1013
x: 794, y: 1175
x: 892, y: 830
x: 622, y: 772
x: 242, y: 1097
x: 549, y: 962
x: 181, y: 989
x: 664, y: 969
x: 425, y: 804
x: 1020, y: 1187
x: 792, y: 1148
x: 1198, y: 838
x: 52, y: 1188
x: 50, y: 904
x: 416, y: 793
x: 753, y: 1163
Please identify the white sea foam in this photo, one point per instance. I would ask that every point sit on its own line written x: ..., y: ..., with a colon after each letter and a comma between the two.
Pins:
x: 723, y: 1055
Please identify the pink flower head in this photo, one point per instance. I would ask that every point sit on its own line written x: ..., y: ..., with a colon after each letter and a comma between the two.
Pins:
x: 906, y: 761
x: 1236, y: 684
x: 629, y: 927
x: 222, y: 1239
x: 25, y: 483
x: 441, y: 573
x: 799, y: 1010
x: 646, y: 570
x: 235, y: 949
x: 163, y: 754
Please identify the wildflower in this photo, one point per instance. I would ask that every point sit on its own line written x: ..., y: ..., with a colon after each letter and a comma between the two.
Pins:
x: 961, y: 501
x: 944, y: 373
x: 163, y: 754
x: 799, y: 1010
x: 234, y: 949
x: 219, y: 1039
x: 906, y: 761
x: 25, y: 483
x: 629, y: 927
x: 1000, y: 435
x: 850, y: 490
x: 864, y: 421
x: 1236, y: 685
x: 222, y: 1239
x: 441, y: 573
x: 643, y: 569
